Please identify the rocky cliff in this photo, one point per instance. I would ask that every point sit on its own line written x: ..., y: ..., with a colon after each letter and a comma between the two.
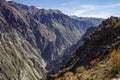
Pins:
x: 19, y: 60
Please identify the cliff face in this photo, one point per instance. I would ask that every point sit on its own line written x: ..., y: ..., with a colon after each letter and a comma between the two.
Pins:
x: 94, y: 58
x: 19, y: 60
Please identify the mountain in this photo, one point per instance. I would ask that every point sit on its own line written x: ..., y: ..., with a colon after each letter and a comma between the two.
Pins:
x: 88, y: 21
x: 31, y: 38
x: 55, y: 31
x: 98, y: 58
x: 51, y: 31
x: 19, y: 60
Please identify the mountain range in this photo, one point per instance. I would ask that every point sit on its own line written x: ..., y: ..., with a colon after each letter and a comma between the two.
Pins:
x: 32, y: 39
x: 91, y: 21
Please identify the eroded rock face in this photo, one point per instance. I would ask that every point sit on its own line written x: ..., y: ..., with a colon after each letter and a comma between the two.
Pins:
x: 19, y: 60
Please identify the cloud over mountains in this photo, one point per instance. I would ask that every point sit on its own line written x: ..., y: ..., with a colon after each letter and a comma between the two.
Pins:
x: 8, y: 0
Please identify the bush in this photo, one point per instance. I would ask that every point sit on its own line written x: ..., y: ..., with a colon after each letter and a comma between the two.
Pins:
x: 70, y: 76
x: 115, y: 60
x: 80, y: 69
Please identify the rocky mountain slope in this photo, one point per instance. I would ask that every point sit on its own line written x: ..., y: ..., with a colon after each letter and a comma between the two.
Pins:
x: 98, y: 58
x: 19, y: 60
x: 62, y: 60
x: 27, y: 34
x: 55, y: 31
x: 69, y: 52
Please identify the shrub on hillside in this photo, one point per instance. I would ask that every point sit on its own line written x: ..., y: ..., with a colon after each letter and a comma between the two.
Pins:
x: 115, y: 60
x: 70, y: 76
x: 80, y: 69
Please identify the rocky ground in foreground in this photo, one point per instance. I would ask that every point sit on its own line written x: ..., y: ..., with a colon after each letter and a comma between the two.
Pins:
x: 97, y: 70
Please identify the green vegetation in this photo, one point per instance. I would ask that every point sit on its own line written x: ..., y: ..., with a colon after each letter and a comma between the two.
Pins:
x: 100, y: 68
x: 80, y: 69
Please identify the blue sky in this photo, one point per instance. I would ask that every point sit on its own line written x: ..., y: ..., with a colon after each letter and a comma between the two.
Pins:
x: 81, y: 8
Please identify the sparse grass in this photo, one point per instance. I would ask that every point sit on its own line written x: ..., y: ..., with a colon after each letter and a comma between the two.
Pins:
x: 115, y: 60
x: 80, y: 69
x: 70, y: 76
x: 100, y: 67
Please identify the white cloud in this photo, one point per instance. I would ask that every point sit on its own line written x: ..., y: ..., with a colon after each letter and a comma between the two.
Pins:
x: 88, y: 6
x: 80, y: 12
x: 9, y: 0
x: 89, y: 10
x: 110, y: 6
x: 101, y: 15
x: 98, y: 15
x: 39, y: 7
x: 84, y: 9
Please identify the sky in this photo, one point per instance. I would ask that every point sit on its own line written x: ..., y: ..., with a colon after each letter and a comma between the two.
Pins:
x: 80, y: 8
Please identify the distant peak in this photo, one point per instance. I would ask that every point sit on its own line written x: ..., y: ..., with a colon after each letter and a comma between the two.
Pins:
x: 50, y: 11
x: 33, y: 8
x: 56, y: 11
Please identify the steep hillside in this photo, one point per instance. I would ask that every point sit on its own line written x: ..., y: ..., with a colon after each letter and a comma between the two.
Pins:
x: 62, y: 60
x: 55, y: 30
x: 69, y: 52
x: 50, y: 31
x: 98, y: 57
x: 19, y: 60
